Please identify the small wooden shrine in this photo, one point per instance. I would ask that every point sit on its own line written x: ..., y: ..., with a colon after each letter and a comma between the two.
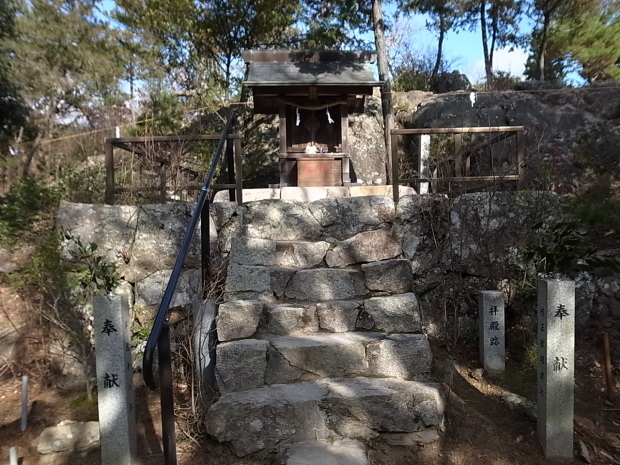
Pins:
x: 313, y: 92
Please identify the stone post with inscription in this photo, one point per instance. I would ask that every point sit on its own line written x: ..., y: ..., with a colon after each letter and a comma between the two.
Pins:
x: 117, y: 421
x: 424, y: 162
x: 556, y: 367
x: 492, y: 334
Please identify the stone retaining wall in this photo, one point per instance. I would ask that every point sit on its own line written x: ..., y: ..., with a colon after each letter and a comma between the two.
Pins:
x: 454, y: 247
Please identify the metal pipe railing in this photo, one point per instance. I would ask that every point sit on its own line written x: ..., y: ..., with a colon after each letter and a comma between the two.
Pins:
x: 160, y: 335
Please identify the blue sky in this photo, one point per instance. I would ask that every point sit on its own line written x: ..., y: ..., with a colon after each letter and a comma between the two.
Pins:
x: 463, y: 48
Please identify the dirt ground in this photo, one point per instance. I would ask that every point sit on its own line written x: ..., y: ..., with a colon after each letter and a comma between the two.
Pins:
x: 480, y: 428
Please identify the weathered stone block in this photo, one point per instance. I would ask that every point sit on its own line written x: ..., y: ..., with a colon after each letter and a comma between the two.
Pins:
x: 289, y: 319
x: 230, y: 230
x: 420, y: 214
x: 365, y: 247
x: 257, y: 420
x: 359, y: 407
x: 238, y: 319
x: 280, y: 221
x: 492, y: 331
x: 340, y: 354
x: 393, y: 276
x: 301, y: 254
x: 338, y: 316
x: 280, y: 371
x: 222, y: 212
x: 556, y: 366
x: 151, y: 290
x: 68, y: 436
x: 410, y: 245
x: 326, y: 452
x: 252, y: 251
x: 241, y: 365
x: 159, y: 234
x: 247, y: 278
x: 402, y: 356
x: 345, y: 217
x: 280, y: 278
x: 111, y: 227
x: 310, y: 194
x: 394, y: 314
x: 326, y: 284
x: 116, y: 400
x: 358, y: 191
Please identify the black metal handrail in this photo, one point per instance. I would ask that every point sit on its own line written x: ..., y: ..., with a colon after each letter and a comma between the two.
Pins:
x: 160, y: 334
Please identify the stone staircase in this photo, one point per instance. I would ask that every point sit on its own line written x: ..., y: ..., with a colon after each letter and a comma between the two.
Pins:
x: 321, y: 351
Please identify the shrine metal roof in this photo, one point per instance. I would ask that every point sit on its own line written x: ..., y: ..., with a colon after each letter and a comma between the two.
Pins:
x: 320, y: 74
x: 317, y: 68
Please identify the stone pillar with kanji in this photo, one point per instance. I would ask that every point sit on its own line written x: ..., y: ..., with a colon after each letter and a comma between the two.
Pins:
x: 492, y: 333
x: 117, y: 421
x: 424, y: 162
x: 556, y: 366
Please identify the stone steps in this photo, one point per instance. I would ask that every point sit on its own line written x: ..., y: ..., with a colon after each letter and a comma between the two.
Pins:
x: 250, y: 363
x: 321, y: 347
x: 324, y: 452
x: 398, y: 313
x: 260, y: 421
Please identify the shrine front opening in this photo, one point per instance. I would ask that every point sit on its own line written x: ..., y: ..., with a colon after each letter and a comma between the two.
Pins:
x: 313, y: 93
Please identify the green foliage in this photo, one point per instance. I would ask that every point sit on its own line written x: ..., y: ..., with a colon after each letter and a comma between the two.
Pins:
x: 444, y: 16
x: 414, y: 76
x: 83, y: 408
x: 503, y: 80
x: 84, y: 186
x: 12, y: 109
x: 21, y: 208
x: 162, y: 115
x: 602, y: 214
x: 587, y: 35
x: 561, y: 250
x: 554, y: 61
x: 49, y: 273
x: 201, y: 41
x: 93, y: 272
x: 336, y: 24
x: 64, y: 56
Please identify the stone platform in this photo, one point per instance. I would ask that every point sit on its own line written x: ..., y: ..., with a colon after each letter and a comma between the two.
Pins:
x: 310, y: 194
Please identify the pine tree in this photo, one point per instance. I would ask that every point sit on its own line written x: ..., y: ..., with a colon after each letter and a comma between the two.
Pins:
x: 64, y: 65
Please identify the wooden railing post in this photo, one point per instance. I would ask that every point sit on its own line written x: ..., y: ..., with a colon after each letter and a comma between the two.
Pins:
x: 109, y: 173
x: 520, y: 159
x: 395, y: 167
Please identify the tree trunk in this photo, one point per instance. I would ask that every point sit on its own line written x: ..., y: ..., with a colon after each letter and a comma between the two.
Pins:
x: 442, y: 34
x: 488, y: 66
x: 543, y: 46
x: 384, y: 75
x: 30, y: 153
